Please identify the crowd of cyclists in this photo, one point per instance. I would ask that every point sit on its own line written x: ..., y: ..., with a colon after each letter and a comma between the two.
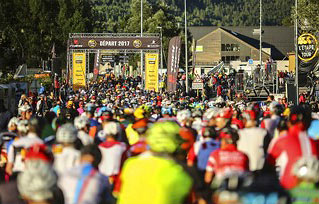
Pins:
x: 113, y: 142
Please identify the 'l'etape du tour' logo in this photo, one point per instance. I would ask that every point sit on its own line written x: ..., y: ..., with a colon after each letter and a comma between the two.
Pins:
x: 137, y: 43
x: 92, y: 43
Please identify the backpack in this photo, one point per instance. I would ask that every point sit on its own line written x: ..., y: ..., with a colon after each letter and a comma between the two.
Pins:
x: 204, y: 152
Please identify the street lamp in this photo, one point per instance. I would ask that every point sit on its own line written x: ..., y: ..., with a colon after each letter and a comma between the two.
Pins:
x: 186, y: 56
x: 260, y: 41
x: 161, y: 30
x: 296, y: 53
x: 142, y: 65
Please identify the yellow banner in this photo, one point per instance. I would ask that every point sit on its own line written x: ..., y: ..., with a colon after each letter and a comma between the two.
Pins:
x: 79, y: 70
x: 151, y: 71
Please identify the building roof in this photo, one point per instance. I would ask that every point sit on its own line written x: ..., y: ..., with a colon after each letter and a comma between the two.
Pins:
x: 279, y: 38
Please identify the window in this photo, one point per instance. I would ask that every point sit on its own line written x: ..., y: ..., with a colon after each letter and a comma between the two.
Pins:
x: 224, y: 59
x: 223, y: 47
x: 230, y: 47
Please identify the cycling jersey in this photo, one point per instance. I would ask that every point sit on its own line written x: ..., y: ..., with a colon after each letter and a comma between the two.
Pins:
x: 113, y: 155
x: 17, y: 150
x: 201, y: 151
x: 131, y: 134
x: 286, y: 150
x: 226, y: 161
x: 152, y: 179
x: 84, y: 185
x: 270, y: 124
x: 305, y: 193
x: 65, y: 158
x: 254, y: 142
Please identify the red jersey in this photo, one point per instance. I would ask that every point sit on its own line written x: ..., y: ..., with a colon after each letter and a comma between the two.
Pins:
x: 227, y: 160
x: 288, y: 149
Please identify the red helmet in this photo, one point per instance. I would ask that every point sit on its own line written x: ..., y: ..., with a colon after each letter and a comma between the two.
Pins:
x: 189, y: 138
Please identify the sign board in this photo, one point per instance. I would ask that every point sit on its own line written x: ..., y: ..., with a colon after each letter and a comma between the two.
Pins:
x: 174, y: 51
x: 151, y: 71
x: 250, y: 61
x: 199, y: 48
x: 79, y: 70
x: 307, y: 47
x: 197, y: 85
x: 129, y: 43
x: 107, y: 58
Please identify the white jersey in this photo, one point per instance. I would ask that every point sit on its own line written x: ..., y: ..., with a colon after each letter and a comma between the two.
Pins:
x: 65, y: 158
x: 113, y: 154
x: 17, y: 150
x: 251, y: 142
x: 92, y: 190
x: 85, y: 138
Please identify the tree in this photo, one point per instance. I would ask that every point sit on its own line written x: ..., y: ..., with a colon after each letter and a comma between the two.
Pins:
x: 308, y: 14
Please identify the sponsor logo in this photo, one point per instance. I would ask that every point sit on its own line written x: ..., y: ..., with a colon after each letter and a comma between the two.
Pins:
x: 307, y: 47
x: 92, y: 43
x: 137, y: 43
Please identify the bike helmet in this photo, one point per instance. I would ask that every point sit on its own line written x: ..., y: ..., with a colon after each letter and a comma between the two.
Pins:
x: 300, y: 114
x: 189, y: 138
x: 23, y: 126
x: 183, y: 115
x: 81, y: 121
x: 38, y: 181
x: 90, y: 107
x: 211, y: 113
x: 167, y: 111
x: 67, y: 133
x: 307, y: 168
x: 313, y: 130
x: 164, y: 137
x: 111, y: 129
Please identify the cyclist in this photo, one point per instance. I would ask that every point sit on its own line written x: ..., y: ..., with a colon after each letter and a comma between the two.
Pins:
x: 227, y: 160
x: 306, y: 170
x: 84, y: 184
x: 154, y: 176
x: 286, y: 150
x: 253, y: 141
x: 16, y: 152
x: 82, y: 124
x: 113, y: 151
x: 66, y: 155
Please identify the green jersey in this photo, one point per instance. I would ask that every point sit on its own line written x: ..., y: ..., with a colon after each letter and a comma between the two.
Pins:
x: 305, y: 193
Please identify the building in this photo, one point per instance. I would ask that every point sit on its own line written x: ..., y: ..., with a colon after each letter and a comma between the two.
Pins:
x: 216, y: 44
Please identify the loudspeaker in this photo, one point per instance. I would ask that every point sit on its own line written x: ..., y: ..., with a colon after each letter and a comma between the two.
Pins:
x: 56, y: 66
x: 291, y: 91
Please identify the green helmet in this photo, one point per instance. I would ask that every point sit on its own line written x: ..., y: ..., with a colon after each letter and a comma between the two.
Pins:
x: 164, y: 137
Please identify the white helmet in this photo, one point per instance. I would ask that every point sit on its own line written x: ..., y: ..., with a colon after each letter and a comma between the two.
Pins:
x: 211, y: 104
x: 183, y: 115
x: 67, y: 133
x: 219, y: 100
x: 37, y: 181
x: 210, y: 113
x: 307, y: 168
x: 111, y: 129
x: 81, y: 121
x: 23, y: 126
x: 13, y: 121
